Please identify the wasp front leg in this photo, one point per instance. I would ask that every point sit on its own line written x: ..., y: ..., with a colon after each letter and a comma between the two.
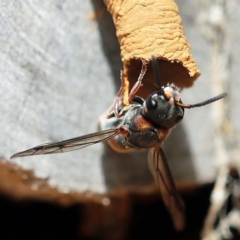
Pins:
x: 138, y: 84
x: 123, y: 99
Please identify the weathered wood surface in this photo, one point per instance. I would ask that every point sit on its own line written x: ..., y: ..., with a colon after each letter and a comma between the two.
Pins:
x: 60, y: 71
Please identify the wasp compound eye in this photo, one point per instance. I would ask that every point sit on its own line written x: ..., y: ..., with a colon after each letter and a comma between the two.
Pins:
x: 151, y: 103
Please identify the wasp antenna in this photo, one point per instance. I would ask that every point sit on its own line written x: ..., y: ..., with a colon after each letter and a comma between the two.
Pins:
x: 156, y: 71
x: 213, y: 99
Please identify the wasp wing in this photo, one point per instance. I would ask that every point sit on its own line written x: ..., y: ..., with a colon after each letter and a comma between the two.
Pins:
x: 70, y: 144
x: 172, y: 200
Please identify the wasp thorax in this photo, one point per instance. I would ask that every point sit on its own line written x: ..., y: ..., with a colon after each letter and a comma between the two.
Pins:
x: 160, y: 108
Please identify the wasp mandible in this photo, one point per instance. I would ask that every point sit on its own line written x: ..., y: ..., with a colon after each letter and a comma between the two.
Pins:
x: 143, y: 124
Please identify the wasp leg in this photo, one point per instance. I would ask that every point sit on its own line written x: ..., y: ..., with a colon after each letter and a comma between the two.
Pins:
x: 121, y: 101
x: 118, y: 101
x: 138, y: 84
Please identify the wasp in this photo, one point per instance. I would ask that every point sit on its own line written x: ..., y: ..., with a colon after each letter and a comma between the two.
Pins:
x: 142, y: 124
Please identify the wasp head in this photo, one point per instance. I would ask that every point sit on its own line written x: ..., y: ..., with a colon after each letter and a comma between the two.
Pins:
x: 160, y: 107
x: 164, y: 107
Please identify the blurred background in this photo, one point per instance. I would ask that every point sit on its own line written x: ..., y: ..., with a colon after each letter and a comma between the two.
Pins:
x: 60, y: 67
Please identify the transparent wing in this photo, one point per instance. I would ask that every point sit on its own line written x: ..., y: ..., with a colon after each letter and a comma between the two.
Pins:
x: 172, y: 200
x: 70, y: 144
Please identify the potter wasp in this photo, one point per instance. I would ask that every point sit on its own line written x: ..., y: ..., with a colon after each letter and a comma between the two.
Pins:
x: 143, y: 124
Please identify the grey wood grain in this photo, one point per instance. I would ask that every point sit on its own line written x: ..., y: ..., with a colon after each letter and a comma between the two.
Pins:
x: 59, y: 72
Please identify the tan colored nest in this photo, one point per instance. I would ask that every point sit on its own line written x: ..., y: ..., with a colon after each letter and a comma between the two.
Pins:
x: 153, y: 27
